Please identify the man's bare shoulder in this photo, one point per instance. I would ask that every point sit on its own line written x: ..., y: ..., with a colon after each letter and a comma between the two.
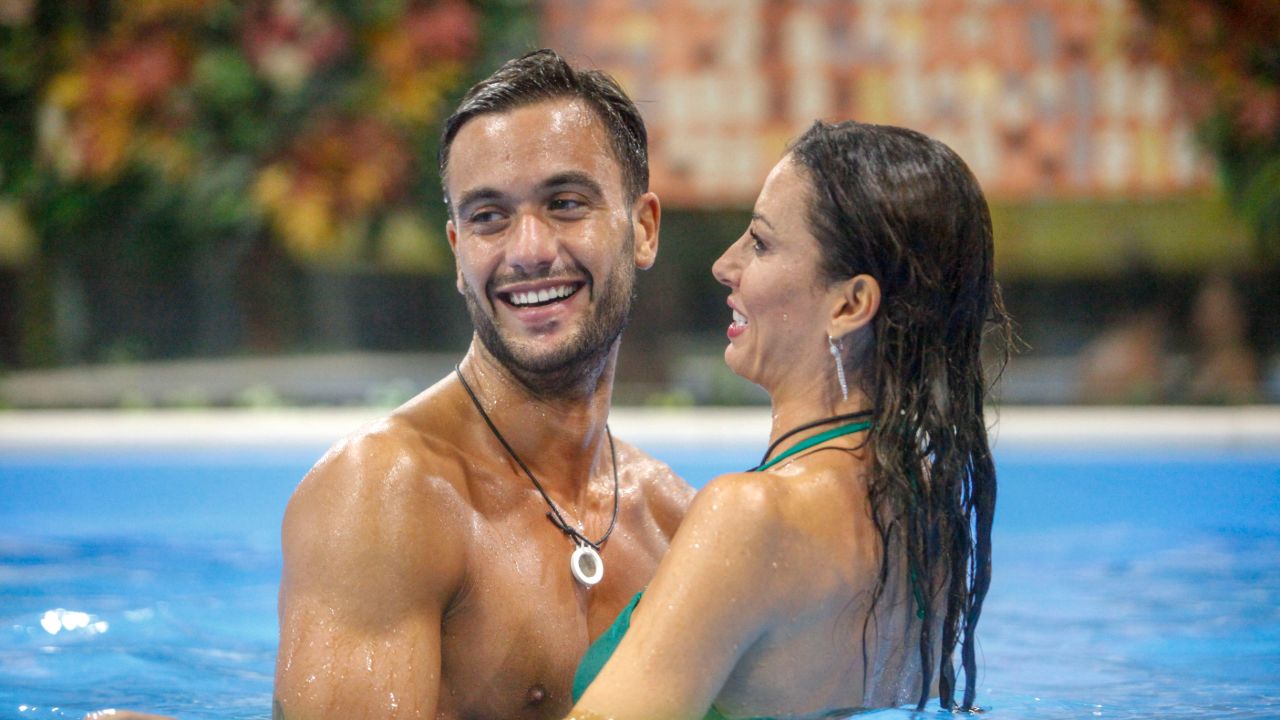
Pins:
x: 667, y: 494
x: 385, y: 503
x: 391, y: 460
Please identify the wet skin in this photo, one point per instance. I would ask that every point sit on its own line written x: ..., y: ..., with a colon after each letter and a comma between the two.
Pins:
x: 422, y: 578
x: 538, y: 207
x: 777, y: 296
x: 761, y: 603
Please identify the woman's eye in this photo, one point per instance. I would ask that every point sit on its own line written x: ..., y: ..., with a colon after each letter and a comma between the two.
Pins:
x: 757, y: 244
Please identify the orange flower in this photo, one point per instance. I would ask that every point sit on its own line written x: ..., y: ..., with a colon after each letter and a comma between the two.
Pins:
x: 416, y: 99
x: 393, y: 52
x: 98, y: 107
x: 331, y: 181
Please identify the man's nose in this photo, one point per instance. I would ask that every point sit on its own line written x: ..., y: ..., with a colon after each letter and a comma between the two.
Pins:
x: 533, y: 244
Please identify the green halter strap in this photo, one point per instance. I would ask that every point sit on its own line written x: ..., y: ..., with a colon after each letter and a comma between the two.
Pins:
x: 833, y: 433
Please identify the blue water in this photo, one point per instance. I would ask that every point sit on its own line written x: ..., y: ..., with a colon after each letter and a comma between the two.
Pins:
x: 1126, y: 586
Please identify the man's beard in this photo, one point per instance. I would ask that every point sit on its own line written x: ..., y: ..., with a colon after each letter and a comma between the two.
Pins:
x: 582, y: 357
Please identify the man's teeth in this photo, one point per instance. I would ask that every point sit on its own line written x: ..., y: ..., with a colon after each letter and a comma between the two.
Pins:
x: 739, y: 318
x: 534, y: 297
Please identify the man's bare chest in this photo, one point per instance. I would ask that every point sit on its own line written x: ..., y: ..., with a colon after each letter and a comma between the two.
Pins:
x: 513, y: 638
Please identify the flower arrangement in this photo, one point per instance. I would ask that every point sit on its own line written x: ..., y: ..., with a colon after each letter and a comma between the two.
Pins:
x: 312, y: 116
x: 173, y: 173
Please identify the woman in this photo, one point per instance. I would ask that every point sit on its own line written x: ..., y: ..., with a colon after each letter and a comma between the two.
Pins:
x: 842, y: 573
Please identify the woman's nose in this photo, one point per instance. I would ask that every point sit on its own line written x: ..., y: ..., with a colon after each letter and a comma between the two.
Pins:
x: 725, y: 268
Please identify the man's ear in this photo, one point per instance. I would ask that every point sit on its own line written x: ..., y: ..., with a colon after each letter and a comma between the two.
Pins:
x: 646, y: 217
x: 855, y: 304
x: 451, y: 232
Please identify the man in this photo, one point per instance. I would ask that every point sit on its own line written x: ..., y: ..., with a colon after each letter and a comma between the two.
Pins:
x: 427, y: 558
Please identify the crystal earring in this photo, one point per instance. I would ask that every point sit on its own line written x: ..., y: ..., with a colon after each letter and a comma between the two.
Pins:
x: 835, y: 353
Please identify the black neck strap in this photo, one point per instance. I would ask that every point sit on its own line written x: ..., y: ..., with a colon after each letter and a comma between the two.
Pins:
x: 861, y: 414
x: 554, y: 516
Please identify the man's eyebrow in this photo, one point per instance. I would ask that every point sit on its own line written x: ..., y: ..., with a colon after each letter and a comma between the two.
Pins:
x: 574, y: 177
x: 475, y: 196
x: 568, y: 178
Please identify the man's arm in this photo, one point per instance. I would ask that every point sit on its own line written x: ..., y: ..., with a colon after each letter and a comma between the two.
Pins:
x: 371, y: 561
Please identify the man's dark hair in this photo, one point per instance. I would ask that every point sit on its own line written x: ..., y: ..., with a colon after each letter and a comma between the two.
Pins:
x: 544, y: 75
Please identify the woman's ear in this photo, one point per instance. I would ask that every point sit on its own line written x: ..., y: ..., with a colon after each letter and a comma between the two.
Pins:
x: 856, y: 302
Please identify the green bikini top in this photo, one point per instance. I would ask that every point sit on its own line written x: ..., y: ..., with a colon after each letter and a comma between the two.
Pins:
x: 602, y: 649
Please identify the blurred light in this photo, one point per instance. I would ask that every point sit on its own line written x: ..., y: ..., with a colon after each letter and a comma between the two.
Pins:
x: 55, y: 621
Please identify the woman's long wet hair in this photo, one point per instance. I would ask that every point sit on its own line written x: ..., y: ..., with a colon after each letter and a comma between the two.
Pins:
x: 905, y: 209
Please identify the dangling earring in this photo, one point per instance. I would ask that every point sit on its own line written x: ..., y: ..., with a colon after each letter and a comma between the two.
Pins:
x: 835, y: 353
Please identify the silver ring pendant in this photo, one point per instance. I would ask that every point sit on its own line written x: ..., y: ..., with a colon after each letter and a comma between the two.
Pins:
x: 586, y: 565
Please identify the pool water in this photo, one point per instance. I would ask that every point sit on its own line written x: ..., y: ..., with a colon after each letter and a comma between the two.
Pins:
x: 1126, y: 586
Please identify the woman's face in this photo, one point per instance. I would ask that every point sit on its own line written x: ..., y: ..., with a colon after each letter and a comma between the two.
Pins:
x: 780, y: 300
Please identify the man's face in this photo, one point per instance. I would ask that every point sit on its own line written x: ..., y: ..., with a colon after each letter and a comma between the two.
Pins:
x: 545, y: 242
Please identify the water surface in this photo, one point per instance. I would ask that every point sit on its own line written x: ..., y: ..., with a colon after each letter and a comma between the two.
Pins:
x: 1126, y: 586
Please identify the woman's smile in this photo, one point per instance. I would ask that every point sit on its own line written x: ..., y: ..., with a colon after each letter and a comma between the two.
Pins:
x: 739, y: 324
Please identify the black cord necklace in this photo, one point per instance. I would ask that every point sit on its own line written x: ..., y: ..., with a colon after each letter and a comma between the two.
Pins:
x: 586, y: 564
x: 861, y: 414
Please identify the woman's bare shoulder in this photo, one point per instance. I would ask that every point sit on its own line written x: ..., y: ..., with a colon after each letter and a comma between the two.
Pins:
x: 739, y: 514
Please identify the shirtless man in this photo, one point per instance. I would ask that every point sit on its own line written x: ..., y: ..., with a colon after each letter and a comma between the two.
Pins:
x: 425, y: 575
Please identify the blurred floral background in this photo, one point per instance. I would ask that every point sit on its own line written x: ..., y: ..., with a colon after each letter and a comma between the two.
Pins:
x: 167, y: 167
x: 205, y: 202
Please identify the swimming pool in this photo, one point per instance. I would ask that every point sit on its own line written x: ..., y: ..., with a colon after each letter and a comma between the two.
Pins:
x: 1137, y: 565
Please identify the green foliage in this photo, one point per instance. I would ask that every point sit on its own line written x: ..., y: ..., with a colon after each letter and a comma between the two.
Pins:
x: 1227, y: 57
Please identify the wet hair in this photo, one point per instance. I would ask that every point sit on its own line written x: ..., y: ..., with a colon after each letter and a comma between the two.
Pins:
x: 905, y: 209
x: 544, y: 75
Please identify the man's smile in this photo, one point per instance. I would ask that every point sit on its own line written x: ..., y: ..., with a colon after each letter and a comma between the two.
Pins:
x: 541, y: 305
x: 537, y: 297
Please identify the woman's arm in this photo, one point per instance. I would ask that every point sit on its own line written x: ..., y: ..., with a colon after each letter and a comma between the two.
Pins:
x: 711, y: 599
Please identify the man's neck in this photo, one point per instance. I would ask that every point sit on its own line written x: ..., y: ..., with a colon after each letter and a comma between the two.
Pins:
x: 560, y: 437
